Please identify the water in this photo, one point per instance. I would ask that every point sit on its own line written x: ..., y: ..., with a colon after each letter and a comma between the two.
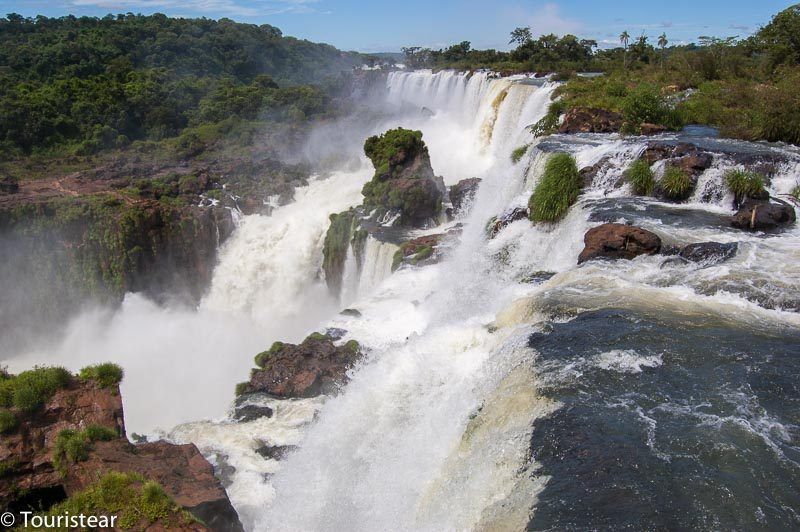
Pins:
x: 504, y: 387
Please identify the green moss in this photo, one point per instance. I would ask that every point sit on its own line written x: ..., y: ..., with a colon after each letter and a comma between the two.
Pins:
x: 393, y: 149
x: 397, y: 259
x: 31, y: 389
x: 640, y: 177
x: 241, y: 388
x: 745, y: 184
x: 264, y: 356
x: 557, y: 190
x: 519, y: 152
x: 334, y: 251
x: 676, y: 183
x: 422, y: 253
x: 8, y: 421
x: 136, y: 501
x: 316, y: 337
x: 352, y: 346
x: 106, y: 374
x: 73, y: 446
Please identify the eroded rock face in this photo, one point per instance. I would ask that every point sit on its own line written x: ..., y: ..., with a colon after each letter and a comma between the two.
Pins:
x: 499, y: 223
x: 315, y: 366
x: 759, y: 215
x: 27, y: 454
x: 590, y: 120
x: 709, y: 252
x: 463, y: 193
x: 618, y: 241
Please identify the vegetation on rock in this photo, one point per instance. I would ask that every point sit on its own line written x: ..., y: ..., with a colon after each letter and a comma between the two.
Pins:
x: 640, y: 177
x: 519, y: 152
x: 73, y: 446
x: 30, y: 389
x: 557, y: 190
x: 8, y: 420
x: 745, y: 184
x: 676, y: 183
x: 106, y: 374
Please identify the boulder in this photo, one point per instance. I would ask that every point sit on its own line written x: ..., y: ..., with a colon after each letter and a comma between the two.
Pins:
x: 315, y: 366
x: 463, y: 193
x: 275, y: 452
x: 651, y: 129
x: 709, y: 252
x: 590, y: 120
x: 760, y: 215
x: 247, y: 413
x: 618, y: 241
x: 417, y: 250
x: 500, y: 222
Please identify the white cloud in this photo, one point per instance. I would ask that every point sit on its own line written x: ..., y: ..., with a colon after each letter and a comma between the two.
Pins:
x: 220, y: 7
x: 548, y: 19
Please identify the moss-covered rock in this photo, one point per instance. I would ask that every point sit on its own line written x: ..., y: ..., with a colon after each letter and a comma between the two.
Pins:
x: 343, y: 232
x: 404, y: 179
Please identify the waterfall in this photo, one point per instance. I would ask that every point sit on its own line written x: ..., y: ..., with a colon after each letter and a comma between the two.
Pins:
x: 362, y: 274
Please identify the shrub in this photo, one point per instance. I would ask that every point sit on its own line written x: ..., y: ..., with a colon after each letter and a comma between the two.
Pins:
x: 640, y: 177
x: 745, y: 184
x: 644, y: 104
x: 8, y: 420
x: 106, y: 374
x: 241, y: 388
x: 136, y: 501
x: 557, y: 190
x: 676, y: 183
x: 31, y: 389
x: 517, y: 154
x: 74, y: 445
x: 393, y: 148
x: 100, y: 433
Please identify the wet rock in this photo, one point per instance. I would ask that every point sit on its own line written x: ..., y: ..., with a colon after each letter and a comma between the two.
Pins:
x: 351, y: 312
x: 537, y: 277
x: 335, y: 333
x: 499, y: 223
x: 759, y: 215
x: 696, y: 163
x: 463, y: 193
x: 618, y: 241
x: 590, y: 120
x: 651, y: 129
x: 247, y: 413
x: 417, y: 250
x: 588, y: 173
x: 315, y: 366
x: 275, y: 452
x: 709, y: 252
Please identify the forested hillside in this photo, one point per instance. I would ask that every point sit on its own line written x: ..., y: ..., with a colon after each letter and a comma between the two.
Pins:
x: 87, y: 84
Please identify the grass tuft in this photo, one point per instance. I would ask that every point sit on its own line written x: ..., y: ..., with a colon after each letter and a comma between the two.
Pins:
x: 73, y: 446
x: 107, y: 374
x: 745, y: 184
x: 31, y: 389
x: 676, y: 183
x: 557, y: 190
x: 640, y: 177
x: 8, y: 420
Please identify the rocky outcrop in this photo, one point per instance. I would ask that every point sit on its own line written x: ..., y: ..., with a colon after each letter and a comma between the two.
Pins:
x: 416, y: 250
x: 618, y: 241
x: 404, y: 181
x: 590, y: 120
x: 651, y: 129
x: 760, y: 215
x: 688, y: 157
x: 498, y: 223
x: 37, y: 471
x: 343, y: 233
x: 313, y: 367
x: 463, y: 193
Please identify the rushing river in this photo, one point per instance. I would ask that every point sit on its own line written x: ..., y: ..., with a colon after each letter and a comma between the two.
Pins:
x: 504, y: 387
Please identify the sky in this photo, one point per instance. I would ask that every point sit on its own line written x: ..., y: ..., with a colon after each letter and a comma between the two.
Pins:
x: 381, y: 26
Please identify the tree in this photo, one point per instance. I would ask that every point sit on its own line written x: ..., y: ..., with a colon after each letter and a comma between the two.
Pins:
x: 624, y: 38
x: 521, y: 36
x: 781, y: 37
x: 662, y: 42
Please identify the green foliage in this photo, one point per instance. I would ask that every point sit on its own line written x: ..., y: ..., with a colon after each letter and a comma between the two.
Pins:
x: 779, y: 38
x: 263, y: 357
x: 106, y: 374
x: 334, y: 250
x: 31, y: 389
x: 548, y: 124
x: 640, y: 177
x: 8, y: 466
x: 422, y: 253
x: 796, y: 192
x: 89, y: 84
x: 557, y: 190
x: 8, y: 421
x: 392, y: 149
x: 136, y: 501
x: 519, y: 152
x: 316, y: 337
x: 644, y: 104
x: 745, y: 184
x: 352, y: 346
x: 73, y: 446
x: 676, y: 183
x: 241, y: 388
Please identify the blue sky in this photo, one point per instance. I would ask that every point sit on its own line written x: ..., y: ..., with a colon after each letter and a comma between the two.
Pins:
x: 376, y: 26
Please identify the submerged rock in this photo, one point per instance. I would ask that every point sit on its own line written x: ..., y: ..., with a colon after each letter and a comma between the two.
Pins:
x: 416, y: 250
x: 247, y: 413
x: 618, y: 241
x: 275, y: 452
x: 590, y: 120
x: 760, y: 215
x: 351, y: 312
x: 498, y: 223
x: 315, y: 366
x: 709, y: 252
x: 463, y: 193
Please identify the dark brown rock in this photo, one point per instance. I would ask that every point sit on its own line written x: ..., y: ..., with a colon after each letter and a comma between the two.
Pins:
x: 708, y: 252
x: 618, y: 241
x: 590, y: 120
x: 759, y: 215
x: 463, y: 193
x: 315, y: 366
x: 275, y: 452
x: 498, y: 224
x: 651, y: 129
x: 246, y: 413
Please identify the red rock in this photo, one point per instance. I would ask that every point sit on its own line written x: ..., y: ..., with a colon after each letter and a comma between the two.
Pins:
x: 590, y: 120
x: 651, y: 129
x: 618, y: 241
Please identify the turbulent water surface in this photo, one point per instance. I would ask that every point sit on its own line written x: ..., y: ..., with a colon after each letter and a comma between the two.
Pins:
x: 644, y: 394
